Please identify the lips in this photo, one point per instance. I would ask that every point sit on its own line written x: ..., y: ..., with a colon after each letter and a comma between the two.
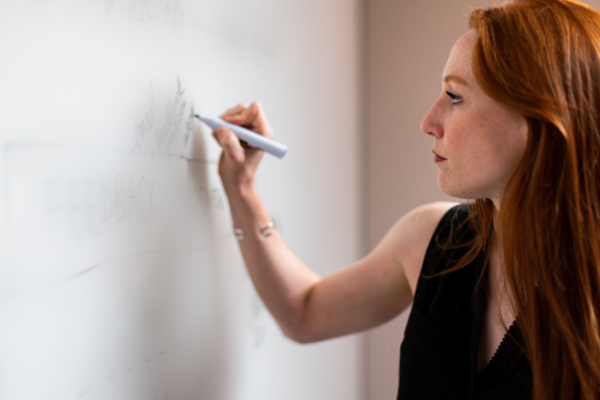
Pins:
x: 438, y: 158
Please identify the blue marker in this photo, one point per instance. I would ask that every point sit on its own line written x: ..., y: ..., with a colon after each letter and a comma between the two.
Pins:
x: 252, y: 138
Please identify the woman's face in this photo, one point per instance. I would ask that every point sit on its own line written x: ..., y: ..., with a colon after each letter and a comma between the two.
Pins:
x: 477, y: 142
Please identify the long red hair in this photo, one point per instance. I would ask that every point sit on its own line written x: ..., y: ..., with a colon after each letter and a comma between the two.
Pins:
x: 541, y: 59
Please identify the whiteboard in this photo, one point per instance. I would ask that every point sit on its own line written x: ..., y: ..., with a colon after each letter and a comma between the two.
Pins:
x: 120, y: 277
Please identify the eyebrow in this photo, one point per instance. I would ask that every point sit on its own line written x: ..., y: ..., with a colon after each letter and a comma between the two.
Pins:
x: 455, y: 78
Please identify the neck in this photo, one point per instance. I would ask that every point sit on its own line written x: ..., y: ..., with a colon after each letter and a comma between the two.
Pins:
x: 497, y: 227
x: 497, y: 278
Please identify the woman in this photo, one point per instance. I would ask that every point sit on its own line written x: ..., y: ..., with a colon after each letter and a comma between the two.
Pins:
x: 506, y: 291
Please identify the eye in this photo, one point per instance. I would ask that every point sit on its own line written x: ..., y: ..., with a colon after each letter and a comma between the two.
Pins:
x: 455, y: 99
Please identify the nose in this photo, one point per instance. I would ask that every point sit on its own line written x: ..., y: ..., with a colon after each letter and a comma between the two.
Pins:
x: 431, y: 124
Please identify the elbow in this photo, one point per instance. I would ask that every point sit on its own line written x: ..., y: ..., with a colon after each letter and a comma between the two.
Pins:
x: 298, y: 335
x: 302, y: 328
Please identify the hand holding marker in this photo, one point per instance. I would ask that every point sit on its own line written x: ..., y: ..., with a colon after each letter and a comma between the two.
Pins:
x: 252, y: 138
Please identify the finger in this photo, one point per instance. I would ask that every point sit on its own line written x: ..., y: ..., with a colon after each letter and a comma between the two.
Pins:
x: 254, y: 117
x: 248, y: 115
x: 260, y: 122
x: 230, y: 144
x: 233, y: 111
x: 214, y: 135
x: 244, y: 145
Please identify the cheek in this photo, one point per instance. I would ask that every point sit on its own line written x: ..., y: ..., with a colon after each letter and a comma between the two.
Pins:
x: 476, y: 165
x: 483, y: 142
x: 510, y: 140
x: 470, y: 147
x: 501, y: 150
x: 484, y: 153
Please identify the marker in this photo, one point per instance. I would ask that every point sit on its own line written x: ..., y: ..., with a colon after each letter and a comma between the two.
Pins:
x: 252, y: 138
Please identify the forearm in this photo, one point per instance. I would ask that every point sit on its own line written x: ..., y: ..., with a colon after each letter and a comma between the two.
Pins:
x: 283, y: 282
x: 306, y: 307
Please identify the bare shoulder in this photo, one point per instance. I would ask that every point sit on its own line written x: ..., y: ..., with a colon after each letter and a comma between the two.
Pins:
x: 410, y: 236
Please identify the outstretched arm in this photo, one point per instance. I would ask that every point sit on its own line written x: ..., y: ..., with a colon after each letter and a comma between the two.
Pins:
x: 307, y: 307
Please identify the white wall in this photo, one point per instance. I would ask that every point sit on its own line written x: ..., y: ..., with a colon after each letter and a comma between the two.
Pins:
x: 137, y: 307
x: 334, y: 196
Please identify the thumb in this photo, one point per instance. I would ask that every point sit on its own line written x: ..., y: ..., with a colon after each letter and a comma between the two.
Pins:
x: 230, y: 144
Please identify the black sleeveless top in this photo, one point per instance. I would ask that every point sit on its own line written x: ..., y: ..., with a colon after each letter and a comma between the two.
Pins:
x: 438, y: 358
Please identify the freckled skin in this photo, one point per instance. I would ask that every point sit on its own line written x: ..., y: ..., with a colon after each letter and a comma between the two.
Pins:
x: 481, y: 140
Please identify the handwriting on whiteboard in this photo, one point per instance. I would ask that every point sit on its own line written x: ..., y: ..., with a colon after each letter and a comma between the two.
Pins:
x: 165, y: 135
x: 96, y: 204
x: 159, y: 128
x: 91, y: 204
x: 174, y: 16
x: 137, y: 8
x: 145, y: 10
